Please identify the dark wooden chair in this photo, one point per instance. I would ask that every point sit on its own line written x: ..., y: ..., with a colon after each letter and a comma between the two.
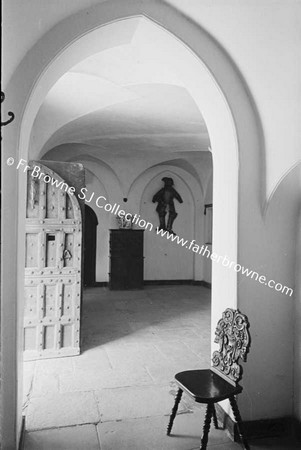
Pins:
x: 220, y: 382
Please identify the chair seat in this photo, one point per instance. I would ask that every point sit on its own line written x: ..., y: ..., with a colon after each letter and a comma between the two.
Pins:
x: 205, y: 386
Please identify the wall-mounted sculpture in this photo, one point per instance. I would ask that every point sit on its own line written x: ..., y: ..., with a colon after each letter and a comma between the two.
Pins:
x: 165, y: 199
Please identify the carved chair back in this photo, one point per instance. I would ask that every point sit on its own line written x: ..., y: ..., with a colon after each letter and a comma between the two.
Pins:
x: 233, y: 337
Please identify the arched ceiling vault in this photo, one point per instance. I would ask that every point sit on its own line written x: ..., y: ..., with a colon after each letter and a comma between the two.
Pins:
x: 123, y: 99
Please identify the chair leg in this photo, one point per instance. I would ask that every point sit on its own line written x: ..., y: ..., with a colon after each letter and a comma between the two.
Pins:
x: 174, y: 410
x: 239, y: 422
x: 214, y: 417
x: 206, y: 426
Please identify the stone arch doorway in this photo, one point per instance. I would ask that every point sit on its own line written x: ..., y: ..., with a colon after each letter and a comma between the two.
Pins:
x: 226, y: 107
x: 90, y: 246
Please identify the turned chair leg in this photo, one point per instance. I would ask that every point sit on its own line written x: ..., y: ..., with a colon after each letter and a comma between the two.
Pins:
x: 174, y: 411
x: 214, y: 417
x: 239, y: 423
x: 206, y: 427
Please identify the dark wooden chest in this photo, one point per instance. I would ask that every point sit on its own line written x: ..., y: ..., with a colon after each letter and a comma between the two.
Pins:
x: 126, y: 259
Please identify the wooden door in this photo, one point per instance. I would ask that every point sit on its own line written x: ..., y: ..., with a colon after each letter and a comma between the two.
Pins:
x: 53, y: 257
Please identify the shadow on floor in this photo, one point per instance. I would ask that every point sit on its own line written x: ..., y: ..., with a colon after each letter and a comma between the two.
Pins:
x: 113, y: 315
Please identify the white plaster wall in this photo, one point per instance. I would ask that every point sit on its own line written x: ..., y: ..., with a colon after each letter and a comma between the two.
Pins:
x: 26, y: 22
x: 163, y: 260
x: 270, y: 249
x: 134, y: 177
x: 263, y: 39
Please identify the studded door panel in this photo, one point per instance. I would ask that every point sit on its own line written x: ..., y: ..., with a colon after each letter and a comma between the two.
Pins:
x: 52, y: 295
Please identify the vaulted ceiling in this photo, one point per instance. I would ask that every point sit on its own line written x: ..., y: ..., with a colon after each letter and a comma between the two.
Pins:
x: 123, y: 99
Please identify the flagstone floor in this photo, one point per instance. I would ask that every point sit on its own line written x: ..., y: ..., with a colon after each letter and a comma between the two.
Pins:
x: 118, y: 393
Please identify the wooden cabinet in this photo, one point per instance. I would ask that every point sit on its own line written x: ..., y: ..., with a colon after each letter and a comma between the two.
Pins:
x: 126, y: 259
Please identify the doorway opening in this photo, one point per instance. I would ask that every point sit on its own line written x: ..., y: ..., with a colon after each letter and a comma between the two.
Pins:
x: 90, y: 246
x: 135, y: 340
x: 56, y: 139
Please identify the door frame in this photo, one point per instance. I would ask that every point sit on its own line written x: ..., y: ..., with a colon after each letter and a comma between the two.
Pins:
x: 89, y: 214
x: 25, y: 93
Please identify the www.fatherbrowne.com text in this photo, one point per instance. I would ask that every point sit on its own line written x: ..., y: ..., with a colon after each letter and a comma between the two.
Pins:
x: 203, y: 250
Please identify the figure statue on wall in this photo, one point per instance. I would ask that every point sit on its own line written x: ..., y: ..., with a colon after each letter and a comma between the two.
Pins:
x: 165, y: 198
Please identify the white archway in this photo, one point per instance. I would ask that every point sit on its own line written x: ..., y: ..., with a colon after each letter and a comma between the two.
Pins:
x: 216, y: 87
x: 208, y: 96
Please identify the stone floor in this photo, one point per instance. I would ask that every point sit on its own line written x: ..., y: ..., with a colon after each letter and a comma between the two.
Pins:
x: 119, y: 392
